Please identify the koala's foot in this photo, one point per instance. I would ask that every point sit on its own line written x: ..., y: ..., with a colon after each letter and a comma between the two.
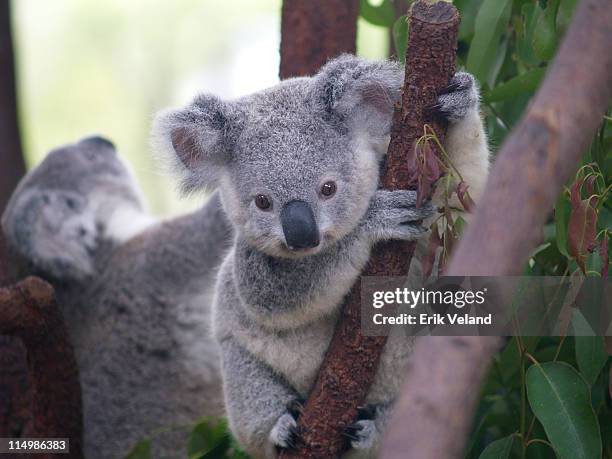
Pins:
x: 458, y: 98
x: 362, y: 434
x: 393, y: 215
x: 285, y: 432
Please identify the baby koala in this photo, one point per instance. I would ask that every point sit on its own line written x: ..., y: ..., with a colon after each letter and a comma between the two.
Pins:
x: 298, y: 167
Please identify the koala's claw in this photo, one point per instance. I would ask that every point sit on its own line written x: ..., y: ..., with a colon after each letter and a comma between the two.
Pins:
x: 295, y: 407
x: 362, y: 434
x: 285, y: 433
x: 458, y: 98
x: 367, y: 412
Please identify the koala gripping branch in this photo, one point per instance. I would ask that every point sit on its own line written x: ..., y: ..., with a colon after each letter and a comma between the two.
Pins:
x: 351, y: 361
x: 28, y: 311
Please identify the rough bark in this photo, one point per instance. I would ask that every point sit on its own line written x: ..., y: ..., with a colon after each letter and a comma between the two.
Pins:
x: 543, y: 151
x: 11, y: 157
x: 28, y: 311
x: 352, y: 359
x: 313, y: 31
x: 14, y: 394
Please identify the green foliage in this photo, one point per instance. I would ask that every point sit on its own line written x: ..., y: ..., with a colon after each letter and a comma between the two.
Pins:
x: 142, y: 450
x: 545, y: 397
x: 560, y: 400
x: 211, y: 439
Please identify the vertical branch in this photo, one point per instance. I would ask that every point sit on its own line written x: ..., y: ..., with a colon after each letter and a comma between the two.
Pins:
x: 314, y: 31
x: 351, y: 361
x: 11, y: 157
x: 543, y: 151
x: 14, y: 393
x: 28, y: 311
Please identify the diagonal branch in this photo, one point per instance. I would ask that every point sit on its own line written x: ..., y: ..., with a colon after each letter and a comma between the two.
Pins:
x: 441, y: 390
x: 351, y: 361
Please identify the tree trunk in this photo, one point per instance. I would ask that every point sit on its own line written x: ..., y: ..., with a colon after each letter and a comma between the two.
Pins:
x: 11, y: 157
x: 314, y: 31
x: 14, y: 394
x: 434, y: 414
x: 28, y: 311
x: 351, y: 361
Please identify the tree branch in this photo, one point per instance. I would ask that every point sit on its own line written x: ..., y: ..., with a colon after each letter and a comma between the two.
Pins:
x: 442, y: 388
x: 11, y: 157
x: 313, y: 31
x: 28, y: 311
x: 351, y: 361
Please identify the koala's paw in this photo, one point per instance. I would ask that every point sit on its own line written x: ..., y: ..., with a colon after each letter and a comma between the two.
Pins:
x: 362, y: 434
x: 458, y: 98
x: 394, y: 215
x: 285, y: 433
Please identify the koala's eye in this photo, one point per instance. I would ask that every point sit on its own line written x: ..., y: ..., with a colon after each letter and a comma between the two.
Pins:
x: 328, y: 189
x: 263, y: 202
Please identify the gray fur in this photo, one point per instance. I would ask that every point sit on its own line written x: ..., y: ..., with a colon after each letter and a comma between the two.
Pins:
x: 135, y: 299
x: 275, y: 308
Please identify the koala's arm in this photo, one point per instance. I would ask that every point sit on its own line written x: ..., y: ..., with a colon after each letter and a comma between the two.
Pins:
x: 256, y: 399
x: 291, y: 292
x: 466, y: 140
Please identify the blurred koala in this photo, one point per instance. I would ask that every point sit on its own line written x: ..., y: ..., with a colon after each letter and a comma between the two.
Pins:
x: 134, y: 293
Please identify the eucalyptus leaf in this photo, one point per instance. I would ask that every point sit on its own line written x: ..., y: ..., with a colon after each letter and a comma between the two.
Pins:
x: 525, y: 83
x: 560, y: 399
x: 591, y: 356
x: 562, y: 214
x: 142, y: 450
x: 499, y: 449
x: 491, y: 22
x: 381, y: 15
x: 400, y: 37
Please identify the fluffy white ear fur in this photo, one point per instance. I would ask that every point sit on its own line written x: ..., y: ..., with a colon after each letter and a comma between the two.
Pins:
x: 361, y: 91
x: 190, y: 141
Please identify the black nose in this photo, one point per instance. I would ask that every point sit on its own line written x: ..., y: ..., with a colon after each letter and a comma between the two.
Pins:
x: 98, y: 141
x: 299, y: 225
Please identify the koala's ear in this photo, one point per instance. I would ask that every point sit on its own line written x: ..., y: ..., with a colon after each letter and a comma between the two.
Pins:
x: 360, y: 92
x: 195, y: 140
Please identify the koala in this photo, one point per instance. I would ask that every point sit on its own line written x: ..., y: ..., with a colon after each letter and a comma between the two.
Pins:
x: 297, y: 166
x: 135, y: 294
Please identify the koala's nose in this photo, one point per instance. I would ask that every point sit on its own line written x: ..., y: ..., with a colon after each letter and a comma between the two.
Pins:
x: 99, y: 142
x: 299, y: 225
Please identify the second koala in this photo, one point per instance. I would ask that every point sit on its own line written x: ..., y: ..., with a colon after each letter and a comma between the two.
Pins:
x: 297, y: 166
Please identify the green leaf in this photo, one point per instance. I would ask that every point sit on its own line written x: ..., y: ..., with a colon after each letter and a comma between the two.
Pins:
x: 591, y: 356
x: 565, y: 14
x: 142, y: 450
x: 530, y: 13
x: 545, y: 34
x: 560, y: 399
x: 499, y: 449
x: 562, y: 214
x: 491, y: 22
x: 467, y: 10
x: 525, y: 83
x: 208, y: 437
x: 381, y: 15
x: 400, y: 37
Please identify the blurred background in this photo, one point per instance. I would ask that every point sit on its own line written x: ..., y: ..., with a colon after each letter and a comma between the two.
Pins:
x: 86, y: 66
